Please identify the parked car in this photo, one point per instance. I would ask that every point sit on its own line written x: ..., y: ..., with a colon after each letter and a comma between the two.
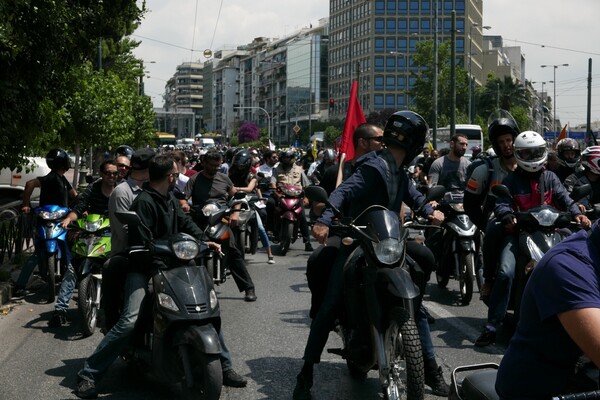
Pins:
x: 12, y: 182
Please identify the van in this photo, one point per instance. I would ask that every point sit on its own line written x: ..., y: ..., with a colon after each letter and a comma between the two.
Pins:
x: 12, y: 182
x: 206, y: 143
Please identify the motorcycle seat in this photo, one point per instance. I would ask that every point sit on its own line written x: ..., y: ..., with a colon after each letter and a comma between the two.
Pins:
x: 480, y: 385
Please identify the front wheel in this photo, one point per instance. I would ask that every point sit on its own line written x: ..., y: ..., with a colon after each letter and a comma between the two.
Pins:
x: 287, y: 230
x: 51, y: 261
x: 87, y: 304
x: 465, y: 280
x: 402, y: 348
x: 207, y: 377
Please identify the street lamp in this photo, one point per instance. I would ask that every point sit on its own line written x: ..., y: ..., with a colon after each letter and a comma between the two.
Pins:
x: 406, y: 83
x: 543, y: 124
x: 474, y: 24
x: 555, y: 66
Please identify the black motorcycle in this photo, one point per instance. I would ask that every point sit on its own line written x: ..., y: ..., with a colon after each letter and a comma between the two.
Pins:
x: 176, y: 333
x: 379, y: 297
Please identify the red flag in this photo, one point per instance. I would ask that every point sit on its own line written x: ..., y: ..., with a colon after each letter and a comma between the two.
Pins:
x: 354, y: 117
x: 563, y: 135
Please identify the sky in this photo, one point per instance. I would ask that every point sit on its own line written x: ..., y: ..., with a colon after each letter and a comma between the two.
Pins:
x: 550, y: 32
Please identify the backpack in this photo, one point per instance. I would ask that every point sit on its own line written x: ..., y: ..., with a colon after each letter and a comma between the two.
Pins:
x: 480, y: 161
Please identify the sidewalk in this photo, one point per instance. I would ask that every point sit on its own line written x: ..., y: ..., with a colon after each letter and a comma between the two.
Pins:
x: 11, y: 270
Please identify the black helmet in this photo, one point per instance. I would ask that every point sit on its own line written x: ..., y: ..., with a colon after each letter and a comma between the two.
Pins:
x: 242, y: 159
x: 58, y: 158
x: 499, y: 127
x: 329, y: 155
x: 124, y: 150
x: 565, y: 145
x: 229, y: 154
x: 408, y: 130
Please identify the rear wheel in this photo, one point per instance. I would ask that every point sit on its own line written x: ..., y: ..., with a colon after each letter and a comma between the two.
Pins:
x: 465, y: 280
x: 212, y: 264
x: 402, y: 348
x: 51, y: 261
x: 287, y: 230
x: 87, y: 305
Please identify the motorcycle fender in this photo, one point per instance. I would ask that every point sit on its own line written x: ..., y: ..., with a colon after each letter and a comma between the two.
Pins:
x: 205, y: 336
x: 289, y: 215
x: 399, y: 282
x: 467, y: 245
x: 86, y: 267
x: 51, y: 246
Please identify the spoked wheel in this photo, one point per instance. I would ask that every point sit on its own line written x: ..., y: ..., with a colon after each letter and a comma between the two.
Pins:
x: 467, y: 274
x: 402, y: 347
x: 87, y: 304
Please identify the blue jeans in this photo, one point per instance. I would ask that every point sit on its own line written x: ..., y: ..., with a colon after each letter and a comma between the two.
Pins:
x: 262, y: 232
x: 26, y: 271
x: 118, y: 337
x: 498, y: 303
x: 66, y: 290
x: 424, y: 334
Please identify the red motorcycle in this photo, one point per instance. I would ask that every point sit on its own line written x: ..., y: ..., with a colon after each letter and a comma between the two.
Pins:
x: 287, y: 212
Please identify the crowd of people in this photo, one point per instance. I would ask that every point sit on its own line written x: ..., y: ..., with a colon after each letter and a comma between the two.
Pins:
x: 392, y: 166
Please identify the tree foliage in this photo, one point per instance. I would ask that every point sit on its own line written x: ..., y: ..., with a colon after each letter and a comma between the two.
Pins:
x: 40, y: 42
x: 330, y: 135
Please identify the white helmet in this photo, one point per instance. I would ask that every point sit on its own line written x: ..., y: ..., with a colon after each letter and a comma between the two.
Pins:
x: 590, y: 158
x: 530, y: 151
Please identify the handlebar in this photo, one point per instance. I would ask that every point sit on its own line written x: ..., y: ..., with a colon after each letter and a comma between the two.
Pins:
x: 594, y: 394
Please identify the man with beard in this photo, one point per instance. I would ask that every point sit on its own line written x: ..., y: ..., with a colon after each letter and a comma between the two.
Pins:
x: 451, y: 169
x: 479, y: 202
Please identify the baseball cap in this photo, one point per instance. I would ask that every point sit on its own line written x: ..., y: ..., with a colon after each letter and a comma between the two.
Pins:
x: 141, y: 158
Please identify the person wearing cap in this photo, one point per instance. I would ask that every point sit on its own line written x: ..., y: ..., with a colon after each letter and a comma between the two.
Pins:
x: 379, y: 180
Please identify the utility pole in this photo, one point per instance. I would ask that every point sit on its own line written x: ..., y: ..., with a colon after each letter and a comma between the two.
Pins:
x: 453, y: 77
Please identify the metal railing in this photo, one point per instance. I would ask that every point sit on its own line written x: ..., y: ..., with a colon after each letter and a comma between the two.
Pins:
x: 16, y: 231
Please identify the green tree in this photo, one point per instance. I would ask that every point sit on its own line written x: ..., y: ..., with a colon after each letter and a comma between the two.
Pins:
x: 422, y: 90
x: 502, y: 93
x: 330, y: 134
x: 39, y: 44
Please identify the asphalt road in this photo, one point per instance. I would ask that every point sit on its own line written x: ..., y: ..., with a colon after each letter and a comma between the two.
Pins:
x: 266, y: 339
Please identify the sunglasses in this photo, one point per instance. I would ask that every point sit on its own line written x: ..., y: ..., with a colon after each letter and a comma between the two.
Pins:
x: 120, y: 165
x: 375, y: 138
x: 110, y: 173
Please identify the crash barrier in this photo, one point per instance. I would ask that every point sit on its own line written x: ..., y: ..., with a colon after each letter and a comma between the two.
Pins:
x: 16, y: 231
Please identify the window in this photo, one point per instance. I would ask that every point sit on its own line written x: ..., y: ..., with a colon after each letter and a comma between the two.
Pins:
x: 402, y: 25
x: 401, y: 100
x: 401, y: 82
x: 460, y: 24
x: 402, y: 45
x: 425, y: 26
x: 460, y: 45
x: 390, y: 100
x: 425, y: 7
x: 378, y: 100
x: 390, y: 44
x: 414, y: 7
x: 378, y: 44
x: 413, y: 45
x: 448, y: 6
x: 447, y: 25
x: 379, y: 63
x: 391, y: 25
x: 391, y: 7
x: 379, y: 7
x: 379, y: 25
x: 390, y: 63
x: 402, y: 7
x: 390, y: 82
x: 460, y: 7
x: 378, y: 82
x: 413, y: 25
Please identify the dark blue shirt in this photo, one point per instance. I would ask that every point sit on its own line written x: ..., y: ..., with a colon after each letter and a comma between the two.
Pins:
x: 540, y: 358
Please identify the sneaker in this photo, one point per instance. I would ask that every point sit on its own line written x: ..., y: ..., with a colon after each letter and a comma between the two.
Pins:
x: 250, y: 295
x: 59, y: 318
x: 486, y: 338
x: 302, y: 389
x: 233, y: 379
x: 86, y: 390
x: 271, y: 261
x: 308, y: 247
x: 435, y: 380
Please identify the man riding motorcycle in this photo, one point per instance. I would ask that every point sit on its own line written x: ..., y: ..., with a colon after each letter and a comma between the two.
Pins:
x: 404, y: 136
x: 527, y: 185
x: 590, y: 160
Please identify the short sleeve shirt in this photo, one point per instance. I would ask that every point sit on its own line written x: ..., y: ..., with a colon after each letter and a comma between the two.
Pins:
x: 54, y: 190
x: 450, y: 174
x: 200, y: 188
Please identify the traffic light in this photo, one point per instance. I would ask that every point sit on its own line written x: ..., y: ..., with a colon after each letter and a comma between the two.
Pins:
x: 331, y: 104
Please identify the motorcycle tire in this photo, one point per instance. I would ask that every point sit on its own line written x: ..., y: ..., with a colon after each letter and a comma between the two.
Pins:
x: 212, y: 264
x: 51, y: 261
x: 207, y: 379
x: 86, y: 304
x: 287, y: 230
x: 465, y: 279
x: 406, y: 377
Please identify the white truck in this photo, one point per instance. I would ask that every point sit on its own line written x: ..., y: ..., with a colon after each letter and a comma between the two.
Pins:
x: 12, y: 182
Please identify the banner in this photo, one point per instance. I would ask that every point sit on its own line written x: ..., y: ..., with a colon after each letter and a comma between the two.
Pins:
x: 354, y: 117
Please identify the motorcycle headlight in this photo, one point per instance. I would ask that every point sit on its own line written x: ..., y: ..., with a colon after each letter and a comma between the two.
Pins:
x: 458, y: 207
x: 545, y: 217
x: 166, y: 301
x: 53, y: 215
x: 209, y: 209
x: 213, y: 299
x: 92, y: 226
x: 389, y: 251
x: 185, y: 249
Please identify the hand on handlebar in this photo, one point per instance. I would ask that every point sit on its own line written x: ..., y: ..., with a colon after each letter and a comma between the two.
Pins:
x: 437, y: 217
x: 583, y: 221
x: 320, y: 232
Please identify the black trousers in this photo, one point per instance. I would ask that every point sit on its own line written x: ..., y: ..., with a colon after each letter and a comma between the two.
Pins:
x: 235, y: 261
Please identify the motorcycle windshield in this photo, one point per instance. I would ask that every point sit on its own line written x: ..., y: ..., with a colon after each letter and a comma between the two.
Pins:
x: 380, y: 224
